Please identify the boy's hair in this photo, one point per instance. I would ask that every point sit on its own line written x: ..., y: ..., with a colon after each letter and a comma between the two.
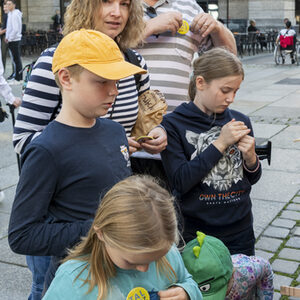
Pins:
x: 82, y: 14
x: 137, y: 215
x: 214, y: 64
x: 13, y: 1
x: 74, y: 71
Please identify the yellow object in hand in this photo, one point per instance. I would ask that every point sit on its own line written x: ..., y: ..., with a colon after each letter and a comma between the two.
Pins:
x: 184, y: 27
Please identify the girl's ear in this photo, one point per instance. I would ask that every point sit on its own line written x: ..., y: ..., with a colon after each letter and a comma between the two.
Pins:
x: 200, y: 83
x: 65, y: 78
x: 99, y: 234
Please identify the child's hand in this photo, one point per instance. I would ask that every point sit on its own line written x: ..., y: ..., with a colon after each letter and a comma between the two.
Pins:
x: 230, y: 134
x: 174, y: 293
x: 133, y: 145
x: 159, y: 142
x: 247, y: 146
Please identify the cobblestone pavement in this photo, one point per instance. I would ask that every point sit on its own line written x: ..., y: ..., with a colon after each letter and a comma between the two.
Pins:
x: 270, y: 96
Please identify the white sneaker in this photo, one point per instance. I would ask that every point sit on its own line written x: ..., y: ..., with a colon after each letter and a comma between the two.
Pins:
x: 2, y: 196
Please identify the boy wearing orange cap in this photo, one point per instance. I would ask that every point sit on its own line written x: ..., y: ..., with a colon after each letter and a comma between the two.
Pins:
x: 78, y: 157
x: 221, y: 276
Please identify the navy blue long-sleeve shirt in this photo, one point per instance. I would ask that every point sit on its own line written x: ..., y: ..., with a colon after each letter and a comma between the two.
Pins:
x: 212, y: 188
x: 65, y: 172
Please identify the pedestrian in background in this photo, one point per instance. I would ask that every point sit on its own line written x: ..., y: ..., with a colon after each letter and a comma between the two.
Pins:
x: 4, y: 45
x: 56, y: 21
x: 5, y: 89
x: 13, y: 37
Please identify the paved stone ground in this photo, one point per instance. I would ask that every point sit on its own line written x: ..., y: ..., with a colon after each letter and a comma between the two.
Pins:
x: 270, y: 95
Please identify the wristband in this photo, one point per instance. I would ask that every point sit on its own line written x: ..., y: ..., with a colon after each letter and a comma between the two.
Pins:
x: 252, y: 170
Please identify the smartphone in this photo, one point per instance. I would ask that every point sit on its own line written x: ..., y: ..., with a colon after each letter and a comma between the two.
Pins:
x: 144, y: 138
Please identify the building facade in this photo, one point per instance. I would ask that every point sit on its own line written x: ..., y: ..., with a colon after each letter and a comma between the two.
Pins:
x: 268, y: 14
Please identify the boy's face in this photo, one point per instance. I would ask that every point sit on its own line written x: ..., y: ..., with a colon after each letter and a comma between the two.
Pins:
x: 91, y: 95
x: 10, y: 5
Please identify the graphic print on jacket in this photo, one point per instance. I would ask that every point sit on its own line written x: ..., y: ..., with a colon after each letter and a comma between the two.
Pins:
x: 229, y: 168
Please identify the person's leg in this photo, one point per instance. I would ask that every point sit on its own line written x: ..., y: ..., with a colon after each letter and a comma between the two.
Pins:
x: 16, y: 53
x: 13, y: 66
x: 38, y: 265
x: 4, y: 48
x: 242, y: 242
x: 53, y: 266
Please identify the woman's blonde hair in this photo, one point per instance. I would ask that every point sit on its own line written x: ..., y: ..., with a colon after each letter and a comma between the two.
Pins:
x: 214, y: 64
x: 82, y: 14
x: 137, y: 216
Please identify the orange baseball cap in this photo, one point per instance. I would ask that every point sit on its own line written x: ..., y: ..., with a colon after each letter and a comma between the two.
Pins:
x: 94, y: 51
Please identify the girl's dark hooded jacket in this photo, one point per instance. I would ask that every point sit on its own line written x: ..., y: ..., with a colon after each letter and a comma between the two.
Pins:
x: 213, y: 189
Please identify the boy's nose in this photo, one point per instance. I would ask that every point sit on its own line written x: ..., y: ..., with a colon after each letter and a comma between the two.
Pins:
x: 113, y: 89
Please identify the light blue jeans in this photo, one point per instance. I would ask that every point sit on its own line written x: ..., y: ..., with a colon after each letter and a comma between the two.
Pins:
x: 38, y: 265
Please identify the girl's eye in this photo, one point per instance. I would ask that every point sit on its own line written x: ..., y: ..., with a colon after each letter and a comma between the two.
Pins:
x: 225, y: 91
x: 204, y: 288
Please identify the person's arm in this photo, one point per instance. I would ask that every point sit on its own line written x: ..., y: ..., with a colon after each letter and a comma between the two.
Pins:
x: 183, y: 173
x: 144, y: 83
x: 184, y: 280
x: 6, y: 92
x: 30, y: 230
x: 40, y: 100
x: 251, y: 164
x: 16, y: 25
x: 170, y: 21
x: 204, y: 24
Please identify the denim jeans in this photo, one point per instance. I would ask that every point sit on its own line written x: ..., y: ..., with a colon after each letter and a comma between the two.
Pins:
x: 38, y: 265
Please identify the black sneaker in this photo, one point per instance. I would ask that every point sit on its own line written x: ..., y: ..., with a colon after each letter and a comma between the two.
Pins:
x: 283, y: 61
x: 293, y: 61
x: 12, y: 76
